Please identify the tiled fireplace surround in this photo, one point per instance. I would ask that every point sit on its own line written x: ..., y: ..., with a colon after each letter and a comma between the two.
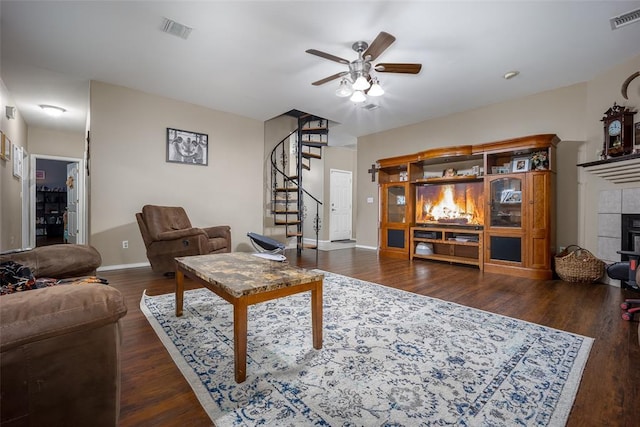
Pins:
x: 611, y: 205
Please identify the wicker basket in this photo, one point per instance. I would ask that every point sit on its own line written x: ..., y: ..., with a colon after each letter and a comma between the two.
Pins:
x: 575, y: 264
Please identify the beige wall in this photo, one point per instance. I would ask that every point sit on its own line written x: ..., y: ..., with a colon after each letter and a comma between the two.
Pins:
x: 573, y: 113
x: 128, y: 169
x: 10, y: 187
x: 56, y: 143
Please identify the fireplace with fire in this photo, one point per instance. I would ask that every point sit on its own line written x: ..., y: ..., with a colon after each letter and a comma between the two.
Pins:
x: 459, y: 204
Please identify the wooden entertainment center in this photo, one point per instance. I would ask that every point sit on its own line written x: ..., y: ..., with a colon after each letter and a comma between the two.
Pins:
x: 489, y: 205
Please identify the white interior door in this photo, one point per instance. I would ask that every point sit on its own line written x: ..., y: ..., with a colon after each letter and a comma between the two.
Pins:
x: 340, y: 192
x: 72, y: 203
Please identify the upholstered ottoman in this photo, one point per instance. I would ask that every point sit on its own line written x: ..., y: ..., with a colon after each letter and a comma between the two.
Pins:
x: 57, y: 261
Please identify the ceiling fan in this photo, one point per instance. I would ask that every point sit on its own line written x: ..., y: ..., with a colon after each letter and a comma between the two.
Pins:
x: 358, y: 79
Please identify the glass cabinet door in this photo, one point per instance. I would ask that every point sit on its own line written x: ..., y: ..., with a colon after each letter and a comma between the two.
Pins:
x: 505, y: 202
x: 396, y: 204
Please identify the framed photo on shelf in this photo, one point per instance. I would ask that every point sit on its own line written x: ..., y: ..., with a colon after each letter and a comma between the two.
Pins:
x: 187, y: 147
x: 449, y: 172
x: 520, y: 164
x: 511, y: 196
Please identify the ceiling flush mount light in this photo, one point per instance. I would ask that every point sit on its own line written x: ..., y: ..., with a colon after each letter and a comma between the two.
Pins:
x: 510, y: 74
x: 52, y: 110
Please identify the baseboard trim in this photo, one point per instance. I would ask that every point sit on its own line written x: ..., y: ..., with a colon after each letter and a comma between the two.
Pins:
x: 371, y: 248
x: 146, y: 264
x: 325, y: 245
x: 123, y: 266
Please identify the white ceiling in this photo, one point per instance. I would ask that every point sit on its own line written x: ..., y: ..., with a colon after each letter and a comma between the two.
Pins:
x: 249, y: 58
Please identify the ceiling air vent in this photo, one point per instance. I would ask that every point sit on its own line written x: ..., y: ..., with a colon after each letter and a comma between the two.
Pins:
x: 625, y: 19
x: 370, y: 107
x: 175, y: 28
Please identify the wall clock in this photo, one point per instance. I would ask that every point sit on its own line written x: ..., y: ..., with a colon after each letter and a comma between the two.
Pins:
x: 618, y: 131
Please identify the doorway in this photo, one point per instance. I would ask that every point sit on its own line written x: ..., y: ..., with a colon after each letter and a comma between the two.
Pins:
x: 57, y: 200
x: 340, y: 194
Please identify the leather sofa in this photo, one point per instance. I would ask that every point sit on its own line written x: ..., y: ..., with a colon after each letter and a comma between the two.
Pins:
x: 167, y: 233
x: 60, y: 345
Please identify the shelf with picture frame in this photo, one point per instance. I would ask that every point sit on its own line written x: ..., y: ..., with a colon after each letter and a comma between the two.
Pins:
x: 520, y: 155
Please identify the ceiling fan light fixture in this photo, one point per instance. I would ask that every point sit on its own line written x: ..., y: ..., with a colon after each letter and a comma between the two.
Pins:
x: 344, y: 89
x: 358, y: 97
x: 361, y: 83
x: 52, y: 110
x: 376, y: 89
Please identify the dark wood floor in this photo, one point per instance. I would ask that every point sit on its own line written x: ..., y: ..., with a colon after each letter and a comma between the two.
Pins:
x: 154, y: 391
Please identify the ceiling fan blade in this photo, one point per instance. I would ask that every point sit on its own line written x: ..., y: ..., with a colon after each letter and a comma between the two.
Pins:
x: 327, y: 56
x: 379, y: 45
x: 398, y: 68
x: 328, y: 79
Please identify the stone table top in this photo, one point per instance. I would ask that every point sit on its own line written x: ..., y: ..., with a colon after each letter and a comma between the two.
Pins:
x: 241, y: 273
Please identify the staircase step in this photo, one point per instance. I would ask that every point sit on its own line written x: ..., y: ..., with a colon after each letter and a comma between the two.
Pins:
x: 310, y: 246
x: 306, y: 166
x: 307, y: 155
x: 317, y: 144
x: 286, y: 189
x: 314, y: 131
x: 293, y: 177
x: 284, y: 212
x: 292, y: 234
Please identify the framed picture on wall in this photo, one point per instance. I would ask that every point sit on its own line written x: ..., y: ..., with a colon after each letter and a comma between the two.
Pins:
x: 2, y: 138
x: 187, y: 147
x: 6, y: 147
x: 17, y: 161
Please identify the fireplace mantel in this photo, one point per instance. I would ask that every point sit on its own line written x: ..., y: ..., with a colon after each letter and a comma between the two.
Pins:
x: 618, y: 170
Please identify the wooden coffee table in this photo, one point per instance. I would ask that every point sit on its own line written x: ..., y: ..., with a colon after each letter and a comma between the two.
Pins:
x: 243, y: 279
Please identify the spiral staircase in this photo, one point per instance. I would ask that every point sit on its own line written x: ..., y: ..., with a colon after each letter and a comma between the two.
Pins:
x: 291, y: 203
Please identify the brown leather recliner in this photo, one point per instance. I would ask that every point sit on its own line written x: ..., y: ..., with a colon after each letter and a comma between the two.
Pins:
x: 167, y: 234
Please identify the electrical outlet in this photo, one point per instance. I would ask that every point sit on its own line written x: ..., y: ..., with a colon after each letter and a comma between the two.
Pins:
x: 125, y: 244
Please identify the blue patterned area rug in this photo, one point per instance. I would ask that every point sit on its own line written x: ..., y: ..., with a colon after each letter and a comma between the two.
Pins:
x: 390, y: 358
